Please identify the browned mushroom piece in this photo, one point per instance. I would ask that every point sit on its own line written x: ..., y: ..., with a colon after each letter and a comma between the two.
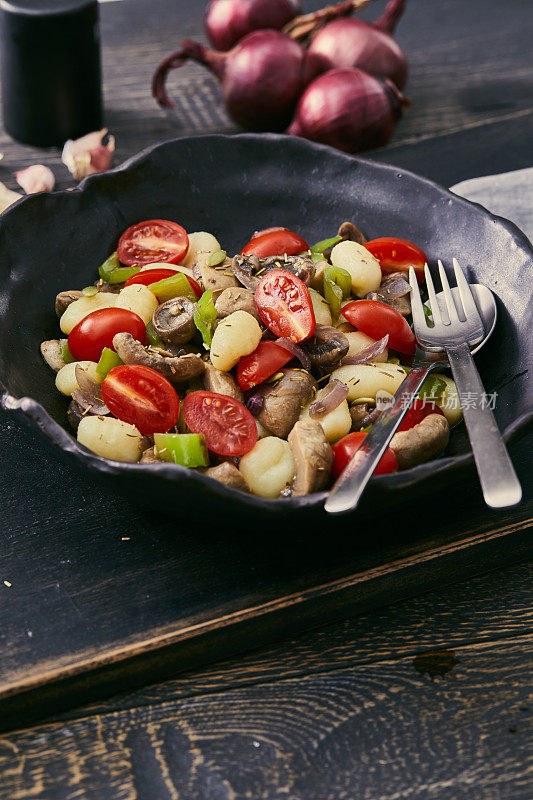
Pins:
x: 149, y: 457
x: 216, y: 280
x: 108, y: 288
x: 301, y: 266
x: 236, y: 298
x: 352, y: 233
x: 313, y: 457
x: 64, y: 299
x: 221, y: 382
x: 75, y: 414
x: 395, y: 292
x: 229, y: 475
x: 358, y: 414
x: 422, y: 442
x: 244, y: 267
x: 173, y: 320
x: 328, y: 346
x: 51, y: 352
x: 284, y: 400
x: 177, y: 369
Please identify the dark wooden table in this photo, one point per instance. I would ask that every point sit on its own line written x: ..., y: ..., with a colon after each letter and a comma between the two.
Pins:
x: 427, y: 698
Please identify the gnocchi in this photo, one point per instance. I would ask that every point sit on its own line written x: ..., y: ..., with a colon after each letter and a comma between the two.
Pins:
x: 235, y: 336
x: 365, y: 380
x: 359, y: 341
x: 139, y: 299
x: 320, y: 308
x: 110, y: 438
x: 201, y: 246
x: 337, y: 423
x: 66, y: 377
x: 269, y: 467
x: 80, y: 308
x: 360, y: 263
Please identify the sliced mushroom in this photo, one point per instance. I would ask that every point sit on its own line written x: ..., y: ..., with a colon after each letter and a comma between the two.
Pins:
x: 243, y: 267
x: 216, y: 279
x: 313, y: 457
x: 352, y: 233
x: 229, y: 475
x: 284, y: 400
x: 149, y: 457
x: 395, y: 292
x: 173, y: 320
x: 64, y: 299
x: 176, y: 368
x: 108, y: 288
x: 330, y: 345
x: 236, y: 298
x: 51, y: 352
x: 301, y: 266
x: 75, y: 414
x: 422, y: 442
x: 221, y: 382
x: 358, y: 414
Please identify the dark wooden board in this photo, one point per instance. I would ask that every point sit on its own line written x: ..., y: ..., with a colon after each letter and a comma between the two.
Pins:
x: 428, y: 698
x: 95, y: 581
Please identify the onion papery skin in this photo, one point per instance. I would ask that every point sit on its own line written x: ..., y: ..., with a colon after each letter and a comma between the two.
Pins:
x: 228, y: 21
x: 261, y: 77
x: 348, y: 109
x: 350, y: 42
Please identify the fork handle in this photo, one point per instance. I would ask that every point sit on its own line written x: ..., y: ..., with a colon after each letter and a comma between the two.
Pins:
x: 497, y: 476
x: 349, y: 487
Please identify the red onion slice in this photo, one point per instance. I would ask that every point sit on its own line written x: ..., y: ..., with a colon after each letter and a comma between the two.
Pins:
x: 297, y: 352
x: 89, y: 395
x: 338, y: 391
x: 254, y: 404
x: 371, y: 418
x: 368, y: 354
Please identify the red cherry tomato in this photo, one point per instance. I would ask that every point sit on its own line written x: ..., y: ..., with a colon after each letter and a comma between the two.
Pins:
x: 285, y: 306
x: 345, y: 448
x: 397, y: 255
x: 418, y: 411
x: 148, y: 276
x: 265, y: 360
x: 228, y: 426
x: 88, y: 338
x: 153, y: 240
x: 377, y: 319
x: 275, y: 242
x: 141, y: 396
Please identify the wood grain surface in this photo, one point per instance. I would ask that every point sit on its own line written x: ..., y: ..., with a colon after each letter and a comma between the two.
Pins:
x: 424, y: 699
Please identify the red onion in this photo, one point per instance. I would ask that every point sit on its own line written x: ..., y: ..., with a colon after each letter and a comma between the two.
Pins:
x: 297, y: 352
x: 368, y: 353
x: 371, y: 418
x: 330, y: 400
x: 349, y: 42
x: 254, y: 404
x: 228, y: 21
x: 261, y: 78
x: 348, y: 109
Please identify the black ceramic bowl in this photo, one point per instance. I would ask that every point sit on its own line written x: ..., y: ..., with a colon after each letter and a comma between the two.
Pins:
x: 232, y: 186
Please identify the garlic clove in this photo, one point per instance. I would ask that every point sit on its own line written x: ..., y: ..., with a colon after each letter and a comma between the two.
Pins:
x: 87, y: 155
x: 7, y: 197
x: 36, y: 178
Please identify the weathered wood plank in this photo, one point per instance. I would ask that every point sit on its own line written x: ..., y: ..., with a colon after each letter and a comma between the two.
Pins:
x: 385, y: 730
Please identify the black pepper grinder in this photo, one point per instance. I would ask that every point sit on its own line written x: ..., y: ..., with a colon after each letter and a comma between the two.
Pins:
x: 50, y: 70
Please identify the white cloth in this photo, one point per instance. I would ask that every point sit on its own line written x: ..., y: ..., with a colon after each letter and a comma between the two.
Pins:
x: 509, y: 195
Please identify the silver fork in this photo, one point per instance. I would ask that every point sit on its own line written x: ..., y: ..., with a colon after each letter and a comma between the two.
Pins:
x: 455, y: 336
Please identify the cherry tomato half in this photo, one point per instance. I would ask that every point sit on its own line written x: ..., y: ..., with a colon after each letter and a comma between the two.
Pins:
x: 285, y: 306
x: 153, y: 240
x: 345, y: 448
x: 275, y: 242
x: 397, y: 255
x: 377, y: 319
x: 265, y: 360
x: 228, y: 426
x: 95, y: 331
x: 419, y: 410
x: 141, y: 396
x: 148, y: 276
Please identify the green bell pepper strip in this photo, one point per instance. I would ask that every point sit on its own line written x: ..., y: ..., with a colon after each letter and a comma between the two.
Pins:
x: 337, y: 287
x: 205, y: 316
x: 175, y: 286
x: 65, y: 353
x: 187, y: 449
x: 216, y: 258
x: 122, y: 274
x: 152, y: 336
x: 111, y: 263
x: 432, y: 388
x: 108, y: 360
x: 325, y: 244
